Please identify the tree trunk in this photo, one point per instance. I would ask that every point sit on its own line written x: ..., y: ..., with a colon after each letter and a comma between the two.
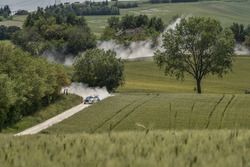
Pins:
x: 198, y: 86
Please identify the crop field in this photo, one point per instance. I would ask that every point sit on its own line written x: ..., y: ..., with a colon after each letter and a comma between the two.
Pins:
x: 160, y: 111
x: 158, y: 148
x: 145, y: 76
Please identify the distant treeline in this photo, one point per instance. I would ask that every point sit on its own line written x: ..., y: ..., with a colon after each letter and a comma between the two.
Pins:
x: 84, y: 9
x: 26, y: 83
x: 171, y: 1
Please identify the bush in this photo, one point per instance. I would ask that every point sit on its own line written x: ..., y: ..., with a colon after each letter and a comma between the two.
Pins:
x: 99, y: 68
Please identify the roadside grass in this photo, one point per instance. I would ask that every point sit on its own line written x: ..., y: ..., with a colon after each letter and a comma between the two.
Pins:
x: 207, y: 148
x: 145, y: 76
x: 62, y: 104
x: 125, y: 112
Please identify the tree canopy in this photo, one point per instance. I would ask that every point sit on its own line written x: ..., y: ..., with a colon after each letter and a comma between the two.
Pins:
x: 99, y: 68
x: 26, y: 83
x: 43, y: 31
x: 198, y: 47
x: 133, y: 28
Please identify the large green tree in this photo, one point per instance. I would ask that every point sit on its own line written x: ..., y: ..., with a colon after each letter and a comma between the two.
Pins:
x: 26, y: 83
x: 198, y: 46
x: 99, y: 68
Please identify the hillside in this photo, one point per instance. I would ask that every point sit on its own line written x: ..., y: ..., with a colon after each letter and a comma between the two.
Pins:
x: 159, y: 148
x: 225, y: 11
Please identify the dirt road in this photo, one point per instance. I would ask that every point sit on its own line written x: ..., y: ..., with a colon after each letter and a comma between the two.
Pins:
x: 38, y: 128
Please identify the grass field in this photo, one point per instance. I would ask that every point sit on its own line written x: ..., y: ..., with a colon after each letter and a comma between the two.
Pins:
x: 160, y: 111
x: 158, y: 148
x: 145, y: 76
x: 62, y: 104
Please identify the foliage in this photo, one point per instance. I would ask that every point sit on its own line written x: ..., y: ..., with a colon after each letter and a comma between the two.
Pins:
x: 133, y: 28
x: 199, y: 47
x: 247, y: 41
x: 65, y: 34
x: 99, y: 68
x: 83, y: 9
x: 26, y: 83
x: 60, y: 105
x: 7, y: 32
x: 5, y: 11
x: 239, y: 32
x: 22, y: 12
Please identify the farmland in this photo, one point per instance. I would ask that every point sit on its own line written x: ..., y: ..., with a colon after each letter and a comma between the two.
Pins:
x: 159, y: 148
x: 227, y: 12
x: 160, y: 111
x: 145, y: 76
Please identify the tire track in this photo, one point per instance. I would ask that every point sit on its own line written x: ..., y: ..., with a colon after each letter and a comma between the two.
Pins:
x: 136, y: 107
x: 116, y: 113
x: 224, y: 111
x: 213, y: 110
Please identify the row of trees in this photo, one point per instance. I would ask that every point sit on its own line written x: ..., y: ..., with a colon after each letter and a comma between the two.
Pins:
x: 84, y: 9
x: 6, y: 33
x: 67, y: 34
x: 133, y: 28
x: 241, y: 33
x: 26, y: 83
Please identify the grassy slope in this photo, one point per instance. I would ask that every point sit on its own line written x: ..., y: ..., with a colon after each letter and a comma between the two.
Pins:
x: 145, y: 76
x: 160, y: 111
x: 226, y: 12
x: 62, y: 104
x: 159, y: 148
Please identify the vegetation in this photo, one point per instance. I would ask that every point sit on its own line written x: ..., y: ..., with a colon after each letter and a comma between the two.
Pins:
x: 61, y: 104
x: 224, y: 11
x: 198, y: 47
x: 44, y: 31
x: 160, y: 148
x: 240, y: 32
x: 26, y: 84
x: 145, y: 76
x: 6, y: 33
x: 21, y: 12
x: 84, y: 9
x: 5, y: 11
x: 99, y: 68
x: 128, y: 112
x: 133, y: 28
